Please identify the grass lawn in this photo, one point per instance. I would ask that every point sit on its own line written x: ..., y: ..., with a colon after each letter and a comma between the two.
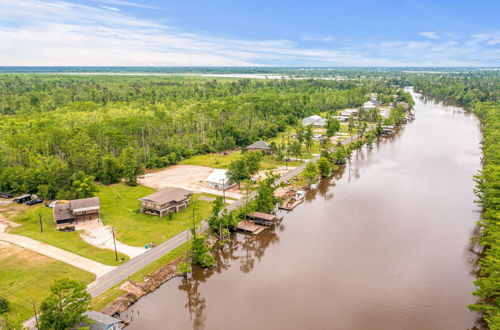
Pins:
x: 212, y: 160
x: 110, y: 295
x: 120, y: 209
x: 27, y: 217
x: 26, y: 275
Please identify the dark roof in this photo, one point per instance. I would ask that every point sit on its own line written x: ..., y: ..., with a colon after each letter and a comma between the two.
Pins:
x: 85, y: 203
x: 63, y: 212
x: 259, y: 145
x: 166, y: 195
x: 100, y: 321
x: 263, y: 216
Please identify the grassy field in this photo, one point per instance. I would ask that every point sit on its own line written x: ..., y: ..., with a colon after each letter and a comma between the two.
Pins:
x: 110, y: 295
x: 27, y: 217
x: 26, y: 275
x: 120, y: 209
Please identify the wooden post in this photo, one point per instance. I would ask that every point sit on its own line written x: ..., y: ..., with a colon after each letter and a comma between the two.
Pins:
x: 40, y: 220
x: 34, y: 311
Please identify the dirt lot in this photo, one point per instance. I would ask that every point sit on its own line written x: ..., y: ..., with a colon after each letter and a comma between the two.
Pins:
x: 189, y: 177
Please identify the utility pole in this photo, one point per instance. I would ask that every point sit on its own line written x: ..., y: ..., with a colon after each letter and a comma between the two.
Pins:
x: 114, y: 242
x: 40, y: 220
x: 36, y: 316
x: 224, y: 190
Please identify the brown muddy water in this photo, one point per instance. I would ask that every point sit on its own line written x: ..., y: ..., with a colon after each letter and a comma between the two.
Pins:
x: 383, y: 245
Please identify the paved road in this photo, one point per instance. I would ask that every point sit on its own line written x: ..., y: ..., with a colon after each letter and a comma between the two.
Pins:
x: 122, y: 272
x: 55, y: 253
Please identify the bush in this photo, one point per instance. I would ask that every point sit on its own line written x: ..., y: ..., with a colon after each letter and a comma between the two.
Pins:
x: 4, y: 305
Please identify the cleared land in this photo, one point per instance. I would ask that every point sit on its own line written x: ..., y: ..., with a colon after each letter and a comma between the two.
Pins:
x: 183, y: 176
x: 26, y: 275
x: 120, y: 209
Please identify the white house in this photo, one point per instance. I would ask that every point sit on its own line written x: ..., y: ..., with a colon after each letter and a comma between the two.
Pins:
x: 314, y: 120
x: 369, y: 105
x: 218, y: 180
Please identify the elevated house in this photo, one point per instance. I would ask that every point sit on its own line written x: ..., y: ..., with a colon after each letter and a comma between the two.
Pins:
x: 349, y: 112
x: 315, y: 120
x: 218, y: 180
x: 166, y: 200
x: 76, y: 212
x: 260, y: 146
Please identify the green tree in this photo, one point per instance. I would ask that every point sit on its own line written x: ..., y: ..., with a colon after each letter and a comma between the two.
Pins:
x: 238, y: 171
x: 311, y: 172
x: 201, y: 252
x: 252, y: 161
x: 265, y: 201
x: 332, y: 126
x: 82, y: 186
x: 131, y: 167
x: 215, y: 217
x: 110, y: 170
x: 308, y: 137
x: 65, y: 305
x: 324, y: 167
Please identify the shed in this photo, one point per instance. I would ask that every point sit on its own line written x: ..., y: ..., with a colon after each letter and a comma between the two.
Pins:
x: 22, y: 199
x: 100, y: 321
x: 218, y: 180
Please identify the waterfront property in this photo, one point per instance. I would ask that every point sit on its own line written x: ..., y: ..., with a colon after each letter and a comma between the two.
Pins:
x: 264, y: 219
x: 218, y: 180
x: 260, y: 146
x: 74, y: 213
x: 166, y: 200
x: 249, y: 226
x: 100, y: 321
x: 315, y: 120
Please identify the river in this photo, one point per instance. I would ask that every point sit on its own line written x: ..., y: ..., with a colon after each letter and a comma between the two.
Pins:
x: 382, y: 245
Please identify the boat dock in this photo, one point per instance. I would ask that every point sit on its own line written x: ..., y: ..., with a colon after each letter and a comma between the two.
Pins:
x: 250, y: 227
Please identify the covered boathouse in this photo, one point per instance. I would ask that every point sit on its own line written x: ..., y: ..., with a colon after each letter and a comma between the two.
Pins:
x: 265, y: 219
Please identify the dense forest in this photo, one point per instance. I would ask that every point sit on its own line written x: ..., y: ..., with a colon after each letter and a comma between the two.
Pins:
x: 481, y: 94
x: 58, y: 129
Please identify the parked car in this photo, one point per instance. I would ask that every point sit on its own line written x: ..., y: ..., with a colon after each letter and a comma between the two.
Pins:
x: 5, y: 195
x: 34, y: 201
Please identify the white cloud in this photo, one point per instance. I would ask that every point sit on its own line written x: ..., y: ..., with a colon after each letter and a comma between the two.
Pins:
x: 430, y: 35
x: 322, y: 39
x: 56, y: 32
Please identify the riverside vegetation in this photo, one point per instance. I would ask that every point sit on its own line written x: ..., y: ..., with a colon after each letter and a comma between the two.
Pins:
x: 480, y: 92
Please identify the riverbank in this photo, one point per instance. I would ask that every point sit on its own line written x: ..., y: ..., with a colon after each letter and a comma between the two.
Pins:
x: 130, y: 292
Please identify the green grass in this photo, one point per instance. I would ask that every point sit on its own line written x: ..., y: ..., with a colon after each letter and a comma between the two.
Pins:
x: 26, y: 275
x: 120, y: 209
x: 110, y: 295
x: 27, y: 217
x: 212, y: 160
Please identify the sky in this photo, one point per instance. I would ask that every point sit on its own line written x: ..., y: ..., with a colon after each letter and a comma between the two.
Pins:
x: 249, y: 33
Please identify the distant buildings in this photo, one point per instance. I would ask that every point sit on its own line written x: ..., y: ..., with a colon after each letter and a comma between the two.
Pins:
x: 218, y: 180
x: 76, y: 212
x: 349, y: 112
x: 259, y: 146
x: 369, y: 105
x: 166, y: 200
x: 314, y: 120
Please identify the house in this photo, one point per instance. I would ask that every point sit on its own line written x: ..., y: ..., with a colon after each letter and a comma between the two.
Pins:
x: 385, y: 113
x: 349, y: 112
x: 341, y: 118
x: 369, y: 105
x: 100, y: 321
x: 314, y: 120
x: 22, y: 199
x: 165, y: 201
x: 69, y: 214
x: 218, y: 180
x: 259, y: 146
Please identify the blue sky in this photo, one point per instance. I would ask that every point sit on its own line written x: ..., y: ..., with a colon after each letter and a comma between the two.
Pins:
x: 238, y: 33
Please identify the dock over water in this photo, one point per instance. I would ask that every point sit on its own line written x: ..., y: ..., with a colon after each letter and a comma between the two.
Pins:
x: 251, y: 227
